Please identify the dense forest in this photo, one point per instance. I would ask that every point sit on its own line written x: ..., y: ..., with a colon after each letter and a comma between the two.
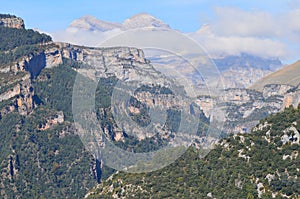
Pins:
x: 16, y: 43
x: 50, y: 162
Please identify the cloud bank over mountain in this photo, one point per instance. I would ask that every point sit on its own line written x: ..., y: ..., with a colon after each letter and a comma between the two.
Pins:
x: 254, y: 32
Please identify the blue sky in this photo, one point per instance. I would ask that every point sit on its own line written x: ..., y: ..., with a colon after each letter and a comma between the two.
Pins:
x: 185, y: 15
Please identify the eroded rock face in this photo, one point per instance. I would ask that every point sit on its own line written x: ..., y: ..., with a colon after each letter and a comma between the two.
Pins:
x: 130, y: 66
x: 292, y: 98
x: 24, y: 102
x: 21, y: 98
x: 122, y: 62
x: 12, y: 22
x: 245, y: 107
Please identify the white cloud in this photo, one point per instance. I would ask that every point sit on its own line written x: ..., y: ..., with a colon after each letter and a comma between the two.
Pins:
x: 236, y: 22
x: 82, y: 37
x: 236, y: 31
x: 291, y: 24
x: 218, y: 45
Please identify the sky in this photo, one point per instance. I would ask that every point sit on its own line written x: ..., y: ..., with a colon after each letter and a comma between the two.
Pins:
x: 269, y: 28
x: 185, y: 15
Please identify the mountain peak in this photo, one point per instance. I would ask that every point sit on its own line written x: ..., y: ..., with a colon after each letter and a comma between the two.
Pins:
x: 91, y: 23
x: 205, y: 28
x: 144, y: 20
x: 142, y: 15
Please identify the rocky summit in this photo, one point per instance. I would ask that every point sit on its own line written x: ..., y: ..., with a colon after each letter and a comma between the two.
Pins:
x: 11, y: 21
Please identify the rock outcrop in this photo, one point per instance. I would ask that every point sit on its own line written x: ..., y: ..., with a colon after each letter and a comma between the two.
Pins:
x: 53, y: 120
x: 21, y: 97
x: 11, y: 22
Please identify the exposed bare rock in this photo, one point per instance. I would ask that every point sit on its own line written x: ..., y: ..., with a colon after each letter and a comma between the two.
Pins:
x: 10, y: 93
x: 12, y: 22
x: 35, y: 63
x: 24, y: 102
x: 52, y: 120
x: 53, y: 57
x: 275, y: 89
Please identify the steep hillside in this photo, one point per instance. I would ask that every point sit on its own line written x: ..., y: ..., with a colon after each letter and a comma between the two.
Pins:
x: 287, y: 75
x: 264, y: 164
x: 42, y: 153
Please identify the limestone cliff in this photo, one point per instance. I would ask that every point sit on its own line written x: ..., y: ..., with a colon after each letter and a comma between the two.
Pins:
x: 34, y: 63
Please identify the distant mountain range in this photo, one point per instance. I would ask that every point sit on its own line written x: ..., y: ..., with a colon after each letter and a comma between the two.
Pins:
x: 142, y: 20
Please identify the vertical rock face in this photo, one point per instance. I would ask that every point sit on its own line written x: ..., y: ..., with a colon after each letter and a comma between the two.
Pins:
x: 53, y: 57
x: 24, y: 102
x: 292, y: 98
x: 11, y: 22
